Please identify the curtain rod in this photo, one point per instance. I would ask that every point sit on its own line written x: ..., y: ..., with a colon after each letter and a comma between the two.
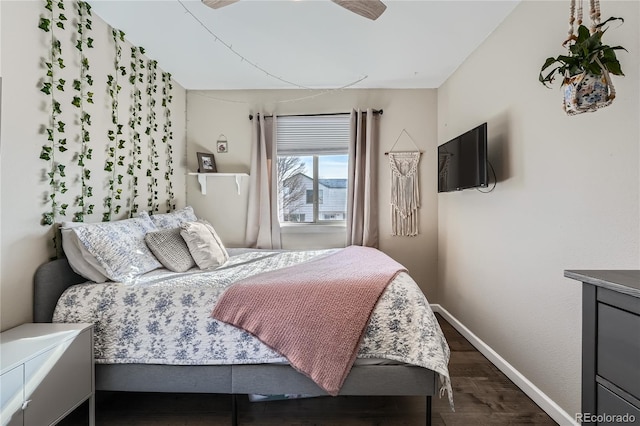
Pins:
x: 375, y: 111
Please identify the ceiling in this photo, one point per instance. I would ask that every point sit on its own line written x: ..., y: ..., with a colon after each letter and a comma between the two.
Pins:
x: 288, y: 44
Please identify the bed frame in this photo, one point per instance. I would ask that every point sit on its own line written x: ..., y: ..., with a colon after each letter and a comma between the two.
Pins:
x: 53, y: 278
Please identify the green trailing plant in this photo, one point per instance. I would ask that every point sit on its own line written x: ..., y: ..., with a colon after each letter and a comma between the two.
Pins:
x: 586, y: 53
x: 115, y: 160
x: 80, y: 101
x: 150, y: 131
x: 141, y: 65
x: 124, y: 154
x: 167, y: 138
x: 135, y: 122
x: 55, y: 128
x: 58, y: 20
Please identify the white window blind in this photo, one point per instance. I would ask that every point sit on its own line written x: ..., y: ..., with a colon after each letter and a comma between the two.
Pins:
x: 313, y: 135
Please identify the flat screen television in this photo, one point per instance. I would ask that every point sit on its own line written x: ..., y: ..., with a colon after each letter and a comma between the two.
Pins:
x: 462, y: 162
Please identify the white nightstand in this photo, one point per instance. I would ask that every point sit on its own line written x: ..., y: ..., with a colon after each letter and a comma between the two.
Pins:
x: 46, y: 371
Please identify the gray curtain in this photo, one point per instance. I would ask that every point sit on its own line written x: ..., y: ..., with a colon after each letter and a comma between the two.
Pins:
x: 263, y: 226
x: 362, y: 195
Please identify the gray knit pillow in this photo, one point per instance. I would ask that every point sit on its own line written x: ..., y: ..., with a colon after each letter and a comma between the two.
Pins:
x: 170, y: 249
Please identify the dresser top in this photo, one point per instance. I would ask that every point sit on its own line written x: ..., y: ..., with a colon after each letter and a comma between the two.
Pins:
x: 622, y: 281
x: 26, y: 341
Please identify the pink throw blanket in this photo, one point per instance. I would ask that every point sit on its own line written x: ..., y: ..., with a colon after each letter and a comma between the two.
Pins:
x: 314, y: 313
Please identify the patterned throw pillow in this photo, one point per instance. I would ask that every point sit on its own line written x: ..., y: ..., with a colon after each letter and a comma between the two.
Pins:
x: 170, y: 249
x: 205, y: 246
x: 81, y: 261
x: 119, y: 246
x: 173, y: 219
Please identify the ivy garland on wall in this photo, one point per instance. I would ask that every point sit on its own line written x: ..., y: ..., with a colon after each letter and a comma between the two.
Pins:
x: 55, y: 128
x: 167, y: 138
x: 134, y: 122
x: 124, y: 154
x: 151, y: 131
x: 52, y: 85
x: 80, y: 100
x: 115, y: 159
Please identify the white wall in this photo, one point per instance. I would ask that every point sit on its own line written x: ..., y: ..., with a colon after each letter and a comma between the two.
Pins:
x: 567, y: 195
x: 211, y: 113
x: 24, y: 243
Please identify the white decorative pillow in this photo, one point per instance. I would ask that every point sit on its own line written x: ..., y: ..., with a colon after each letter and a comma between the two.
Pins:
x: 205, y: 246
x: 170, y: 249
x: 81, y: 261
x: 119, y: 246
x: 173, y: 219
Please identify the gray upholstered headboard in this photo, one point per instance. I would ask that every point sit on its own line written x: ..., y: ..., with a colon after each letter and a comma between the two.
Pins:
x: 49, y: 282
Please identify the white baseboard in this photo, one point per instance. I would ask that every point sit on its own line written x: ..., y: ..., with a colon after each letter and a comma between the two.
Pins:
x: 540, y: 398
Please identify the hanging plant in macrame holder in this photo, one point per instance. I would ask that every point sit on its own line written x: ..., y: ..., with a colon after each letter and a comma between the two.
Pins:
x: 587, y: 66
x: 587, y: 92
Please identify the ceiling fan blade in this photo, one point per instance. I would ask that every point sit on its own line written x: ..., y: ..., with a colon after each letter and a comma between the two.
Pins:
x: 371, y: 9
x: 217, y: 4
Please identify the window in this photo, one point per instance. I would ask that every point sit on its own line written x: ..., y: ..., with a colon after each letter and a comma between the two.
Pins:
x: 313, y: 154
x: 310, y: 196
x: 294, y: 217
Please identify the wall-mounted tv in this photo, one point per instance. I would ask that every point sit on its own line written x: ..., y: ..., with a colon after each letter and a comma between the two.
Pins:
x: 462, y: 162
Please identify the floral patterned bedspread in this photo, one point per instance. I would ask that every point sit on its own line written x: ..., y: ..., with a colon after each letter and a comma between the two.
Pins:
x: 165, y: 318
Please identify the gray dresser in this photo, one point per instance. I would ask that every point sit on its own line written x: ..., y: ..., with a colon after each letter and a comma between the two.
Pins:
x: 610, y: 346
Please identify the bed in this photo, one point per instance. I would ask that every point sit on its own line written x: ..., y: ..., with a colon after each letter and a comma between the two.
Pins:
x: 155, y: 334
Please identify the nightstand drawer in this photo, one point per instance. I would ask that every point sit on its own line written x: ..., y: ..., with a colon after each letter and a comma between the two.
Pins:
x: 47, y: 372
x: 618, y: 348
x: 58, y: 379
x: 11, y: 397
x: 615, y: 410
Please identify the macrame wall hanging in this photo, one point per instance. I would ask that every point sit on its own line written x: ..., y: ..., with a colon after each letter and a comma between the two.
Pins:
x: 405, y: 191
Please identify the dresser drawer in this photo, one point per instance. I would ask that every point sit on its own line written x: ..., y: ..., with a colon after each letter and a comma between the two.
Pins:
x: 618, y: 348
x: 613, y: 410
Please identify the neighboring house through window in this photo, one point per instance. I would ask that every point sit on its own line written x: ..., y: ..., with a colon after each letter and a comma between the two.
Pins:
x: 312, y: 168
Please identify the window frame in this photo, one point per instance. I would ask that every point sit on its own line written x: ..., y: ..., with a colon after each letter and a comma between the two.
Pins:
x: 315, y: 179
x: 315, y: 200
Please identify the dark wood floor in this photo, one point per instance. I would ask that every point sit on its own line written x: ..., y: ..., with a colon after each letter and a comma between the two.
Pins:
x: 482, y: 396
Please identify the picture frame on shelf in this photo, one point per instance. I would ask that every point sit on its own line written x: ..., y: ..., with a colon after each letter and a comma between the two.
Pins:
x: 206, y: 163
